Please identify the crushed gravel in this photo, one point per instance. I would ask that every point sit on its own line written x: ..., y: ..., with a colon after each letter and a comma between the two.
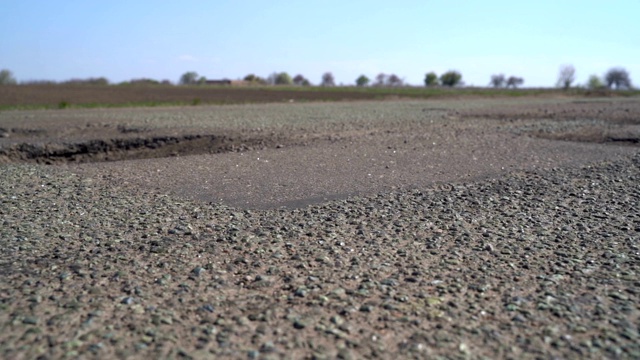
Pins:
x: 540, y: 264
x: 526, y: 262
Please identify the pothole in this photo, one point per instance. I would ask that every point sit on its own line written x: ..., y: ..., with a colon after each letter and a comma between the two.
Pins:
x: 99, y: 150
x: 619, y: 135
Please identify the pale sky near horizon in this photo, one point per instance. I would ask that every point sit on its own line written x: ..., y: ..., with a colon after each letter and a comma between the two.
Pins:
x: 122, y: 40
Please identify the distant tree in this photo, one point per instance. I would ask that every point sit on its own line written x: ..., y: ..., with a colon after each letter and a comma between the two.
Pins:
x: 88, y: 81
x: 299, y: 79
x: 618, y: 77
x: 143, y: 81
x: 202, y: 80
x: 451, y: 78
x: 394, y: 80
x: 566, y: 76
x: 362, y: 80
x: 38, y: 82
x: 255, y: 79
x: 514, y: 81
x: 189, y: 78
x: 595, y: 82
x: 431, y: 79
x: 99, y: 81
x: 328, y: 80
x: 381, y: 79
x: 306, y: 82
x: 6, y: 77
x: 282, y: 78
x: 166, y: 82
x: 498, y: 80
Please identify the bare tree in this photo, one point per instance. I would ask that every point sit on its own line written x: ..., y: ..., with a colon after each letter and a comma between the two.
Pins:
x: 380, y: 79
x: 498, y: 80
x: 271, y: 79
x: 566, y: 76
x: 394, y: 80
x: 299, y: 79
x: 327, y: 79
x: 514, y: 81
x: 618, y: 77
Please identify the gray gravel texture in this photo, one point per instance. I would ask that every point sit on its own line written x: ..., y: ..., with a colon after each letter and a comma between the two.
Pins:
x: 529, y: 262
x: 320, y: 152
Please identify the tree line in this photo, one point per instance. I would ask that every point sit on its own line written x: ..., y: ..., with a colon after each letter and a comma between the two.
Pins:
x: 615, y: 78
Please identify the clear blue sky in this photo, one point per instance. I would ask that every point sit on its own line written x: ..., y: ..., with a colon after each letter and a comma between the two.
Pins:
x: 121, y: 40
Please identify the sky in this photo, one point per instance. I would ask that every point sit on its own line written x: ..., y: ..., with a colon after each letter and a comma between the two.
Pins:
x: 126, y: 39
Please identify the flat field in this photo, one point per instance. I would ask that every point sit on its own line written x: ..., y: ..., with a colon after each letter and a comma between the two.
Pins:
x: 96, y: 96
x: 455, y: 227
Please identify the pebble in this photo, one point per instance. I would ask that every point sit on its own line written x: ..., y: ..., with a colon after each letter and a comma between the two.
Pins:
x: 127, y: 300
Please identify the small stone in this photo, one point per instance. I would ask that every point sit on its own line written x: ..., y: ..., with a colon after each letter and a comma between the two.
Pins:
x: 432, y: 301
x: 301, y: 292
x: 618, y: 296
x: 320, y: 355
x: 338, y: 320
x: 338, y: 292
x: 389, y: 282
x: 267, y: 347
x: 64, y: 276
x: 207, y: 307
x: 243, y: 320
x: 344, y: 354
x: 127, y: 301
x: 197, y: 271
x: 299, y: 324
x: 30, y: 320
x: 147, y: 339
x: 95, y: 348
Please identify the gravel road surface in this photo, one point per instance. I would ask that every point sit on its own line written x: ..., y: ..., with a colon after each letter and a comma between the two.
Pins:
x: 404, y: 229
